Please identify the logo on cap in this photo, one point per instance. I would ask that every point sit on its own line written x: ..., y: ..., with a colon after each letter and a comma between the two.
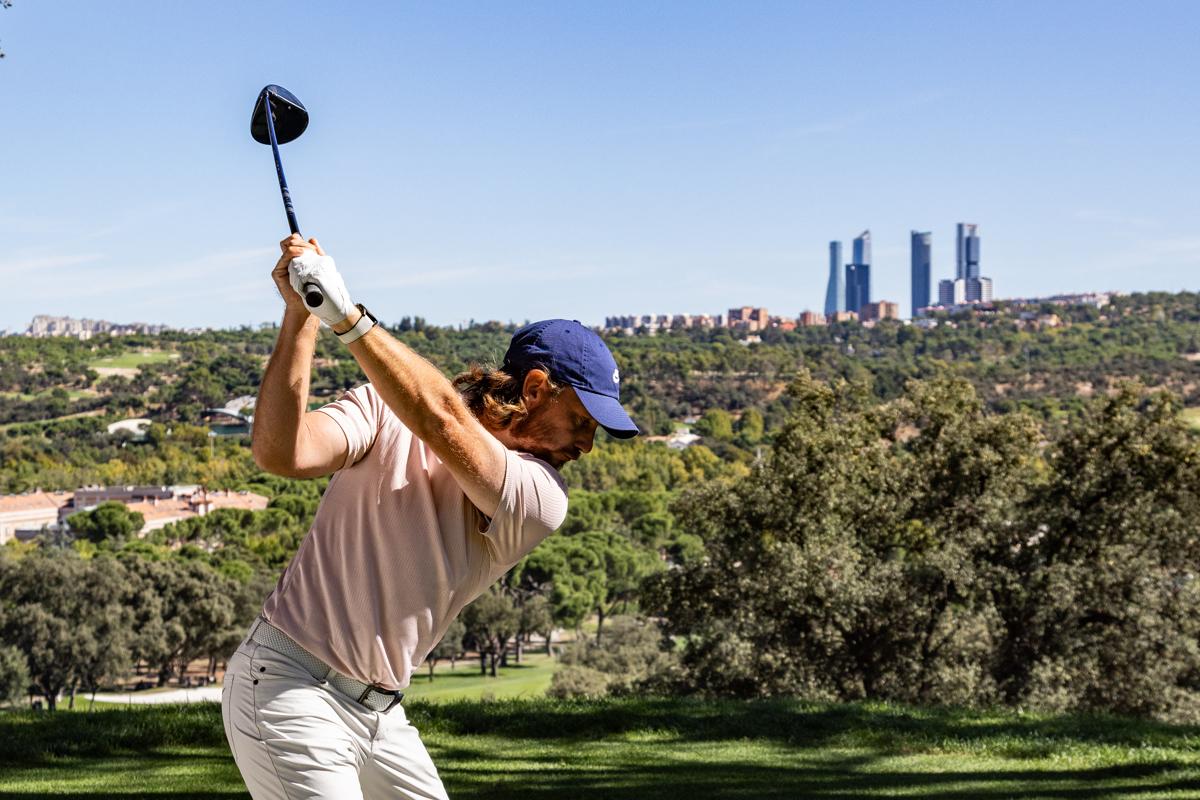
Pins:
x: 616, y: 376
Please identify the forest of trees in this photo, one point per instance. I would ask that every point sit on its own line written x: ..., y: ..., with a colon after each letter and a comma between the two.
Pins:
x: 978, y: 513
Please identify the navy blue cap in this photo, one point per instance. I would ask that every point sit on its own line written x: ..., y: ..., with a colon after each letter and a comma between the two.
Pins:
x: 578, y: 357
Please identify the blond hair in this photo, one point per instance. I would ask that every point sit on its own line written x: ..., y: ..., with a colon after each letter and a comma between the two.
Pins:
x: 495, y: 396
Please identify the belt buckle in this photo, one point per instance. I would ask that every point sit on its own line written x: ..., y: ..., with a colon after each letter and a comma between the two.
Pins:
x: 396, y: 697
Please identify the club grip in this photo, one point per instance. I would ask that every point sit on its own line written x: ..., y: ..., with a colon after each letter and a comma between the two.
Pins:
x: 312, y: 295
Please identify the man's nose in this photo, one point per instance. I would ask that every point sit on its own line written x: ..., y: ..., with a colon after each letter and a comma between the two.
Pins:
x: 586, y: 441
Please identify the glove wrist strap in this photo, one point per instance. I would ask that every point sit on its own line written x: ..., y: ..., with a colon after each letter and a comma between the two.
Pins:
x: 364, y: 324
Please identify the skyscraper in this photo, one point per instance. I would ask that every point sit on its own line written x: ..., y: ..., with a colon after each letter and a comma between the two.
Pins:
x: 835, y: 290
x: 922, y: 262
x: 979, y: 290
x: 862, y: 248
x: 858, y: 273
x: 946, y: 293
x: 968, y: 251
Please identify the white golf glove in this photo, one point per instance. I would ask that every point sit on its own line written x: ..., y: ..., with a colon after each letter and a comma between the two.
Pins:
x: 321, y: 272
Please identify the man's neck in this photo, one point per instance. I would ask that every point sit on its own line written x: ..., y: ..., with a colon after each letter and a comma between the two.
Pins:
x: 504, y: 436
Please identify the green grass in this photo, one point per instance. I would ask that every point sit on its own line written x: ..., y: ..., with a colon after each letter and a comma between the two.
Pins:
x: 134, y: 359
x: 529, y: 679
x: 647, y: 749
x: 1192, y: 417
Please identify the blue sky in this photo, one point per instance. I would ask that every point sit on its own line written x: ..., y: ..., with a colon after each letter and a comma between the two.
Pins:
x: 522, y: 160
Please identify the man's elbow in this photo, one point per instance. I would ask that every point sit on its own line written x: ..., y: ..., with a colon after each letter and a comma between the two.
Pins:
x: 269, y: 459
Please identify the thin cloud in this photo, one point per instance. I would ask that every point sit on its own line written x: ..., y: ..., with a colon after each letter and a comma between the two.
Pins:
x: 47, y: 263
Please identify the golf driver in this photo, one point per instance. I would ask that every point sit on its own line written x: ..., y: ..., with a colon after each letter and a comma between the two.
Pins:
x: 279, y: 117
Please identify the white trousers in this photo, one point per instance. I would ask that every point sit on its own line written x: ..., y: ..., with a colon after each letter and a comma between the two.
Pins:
x: 294, y: 737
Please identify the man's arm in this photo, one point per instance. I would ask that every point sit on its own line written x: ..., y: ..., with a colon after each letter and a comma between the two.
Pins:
x: 416, y: 392
x: 288, y: 439
x: 425, y: 400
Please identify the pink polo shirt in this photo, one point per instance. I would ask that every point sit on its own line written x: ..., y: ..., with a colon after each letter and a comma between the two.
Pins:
x: 396, y: 549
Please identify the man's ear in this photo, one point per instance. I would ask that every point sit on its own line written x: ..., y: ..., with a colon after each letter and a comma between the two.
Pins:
x: 536, y: 389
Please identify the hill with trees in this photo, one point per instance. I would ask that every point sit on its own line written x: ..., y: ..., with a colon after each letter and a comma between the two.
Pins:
x: 999, y: 508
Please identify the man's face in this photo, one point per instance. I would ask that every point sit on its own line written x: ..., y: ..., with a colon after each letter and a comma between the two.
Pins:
x: 558, y: 429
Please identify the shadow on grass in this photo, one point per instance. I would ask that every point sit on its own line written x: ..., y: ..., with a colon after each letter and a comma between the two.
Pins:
x: 834, y: 779
x: 882, y: 727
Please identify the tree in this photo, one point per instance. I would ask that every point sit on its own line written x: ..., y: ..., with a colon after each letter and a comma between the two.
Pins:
x: 750, y: 427
x: 569, y: 573
x: 715, y: 424
x: 105, y: 626
x: 536, y: 617
x: 14, y: 675
x: 449, y: 647
x: 1102, y: 607
x: 491, y: 620
x: 67, y: 617
x: 195, y: 612
x: 626, y: 566
x: 849, y: 564
x: 109, y: 521
x: 633, y: 653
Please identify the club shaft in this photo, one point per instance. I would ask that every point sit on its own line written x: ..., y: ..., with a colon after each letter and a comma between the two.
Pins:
x: 283, y: 187
x: 312, y: 295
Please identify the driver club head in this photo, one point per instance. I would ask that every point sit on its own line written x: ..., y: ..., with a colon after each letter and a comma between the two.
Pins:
x: 291, y: 117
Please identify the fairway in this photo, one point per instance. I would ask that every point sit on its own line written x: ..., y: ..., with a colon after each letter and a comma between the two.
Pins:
x: 1192, y: 416
x: 529, y: 679
x: 133, y: 359
x: 655, y: 749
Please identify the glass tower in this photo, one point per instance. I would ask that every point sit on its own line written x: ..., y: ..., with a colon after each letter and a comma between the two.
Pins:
x: 922, y: 262
x: 862, y: 249
x: 835, y: 290
x: 968, y: 251
x: 858, y: 273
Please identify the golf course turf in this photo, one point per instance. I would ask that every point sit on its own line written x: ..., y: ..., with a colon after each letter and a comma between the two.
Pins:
x: 653, y: 748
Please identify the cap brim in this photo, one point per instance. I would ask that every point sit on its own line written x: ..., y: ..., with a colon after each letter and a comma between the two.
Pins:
x: 608, y: 412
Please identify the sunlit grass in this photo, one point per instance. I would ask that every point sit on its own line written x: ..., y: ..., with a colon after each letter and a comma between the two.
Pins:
x: 134, y: 359
x: 529, y: 679
x: 655, y: 749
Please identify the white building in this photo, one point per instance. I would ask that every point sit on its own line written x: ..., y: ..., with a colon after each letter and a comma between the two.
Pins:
x: 30, y: 511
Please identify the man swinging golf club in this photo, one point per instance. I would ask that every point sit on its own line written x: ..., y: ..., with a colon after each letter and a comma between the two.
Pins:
x: 440, y: 488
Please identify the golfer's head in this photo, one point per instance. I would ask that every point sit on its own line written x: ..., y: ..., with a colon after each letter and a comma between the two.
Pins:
x: 576, y: 357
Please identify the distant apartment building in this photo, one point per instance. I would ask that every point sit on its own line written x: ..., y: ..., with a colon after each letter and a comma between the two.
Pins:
x: 842, y: 316
x: 45, y: 325
x: 884, y: 309
x: 748, y: 318
x: 160, y: 513
x: 655, y: 322
x: 809, y: 319
x: 24, y: 515
x: 835, y: 288
x: 30, y: 512
x: 921, y: 269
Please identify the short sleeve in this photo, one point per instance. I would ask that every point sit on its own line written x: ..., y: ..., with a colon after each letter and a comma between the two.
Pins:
x: 533, y: 504
x: 359, y: 413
